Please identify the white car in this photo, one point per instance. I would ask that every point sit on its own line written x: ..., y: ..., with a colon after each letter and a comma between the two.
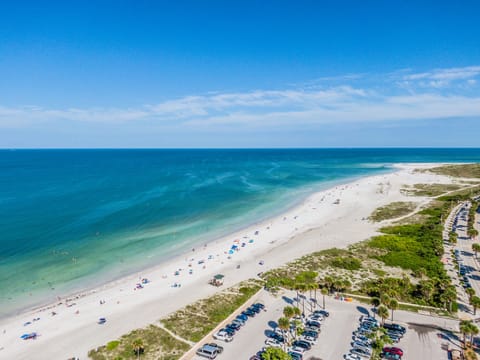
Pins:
x: 309, y: 339
x: 298, y: 349
x: 222, y: 335
x: 273, y: 343
x: 351, y: 356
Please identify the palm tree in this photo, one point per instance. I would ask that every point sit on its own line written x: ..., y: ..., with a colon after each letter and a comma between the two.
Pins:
x: 324, y: 292
x: 476, y: 248
x: 472, y: 233
x: 328, y: 282
x: 375, y: 303
x: 453, y: 237
x: 137, y: 346
x: 470, y: 292
x: 465, y: 329
x: 475, y: 302
x: 427, y: 288
x: 393, y: 305
x: 383, y: 313
x: 473, y: 331
x: 311, y: 286
x: 288, y: 312
x: 384, y: 299
x: 284, y: 325
x: 302, y: 287
x: 297, y: 287
x: 448, y: 296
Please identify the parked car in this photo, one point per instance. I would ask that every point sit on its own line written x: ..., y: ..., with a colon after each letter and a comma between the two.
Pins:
x: 310, y: 328
x: 311, y: 333
x: 238, y: 322
x: 234, y: 326
x: 273, y: 343
x: 310, y: 339
x: 322, y: 312
x: 255, y: 309
x: 249, y: 312
x: 259, y: 305
x: 218, y: 347
x: 360, y: 344
x: 242, y: 317
x: 362, y: 339
x: 351, y: 356
x: 223, y: 335
x: 361, y: 352
x: 314, y: 324
x: 295, y: 355
x: 390, y: 356
x: 393, y: 350
x: 314, y: 317
x: 395, y: 327
x: 303, y: 344
x: 207, y: 351
x: 229, y: 331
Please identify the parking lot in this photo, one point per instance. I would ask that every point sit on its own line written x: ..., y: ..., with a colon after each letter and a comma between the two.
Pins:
x: 423, y: 338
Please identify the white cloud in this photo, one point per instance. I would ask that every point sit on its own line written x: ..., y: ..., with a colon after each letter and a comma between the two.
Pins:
x: 439, y: 78
x: 267, y: 108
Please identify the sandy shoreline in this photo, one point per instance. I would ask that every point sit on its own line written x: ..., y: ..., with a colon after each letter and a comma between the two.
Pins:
x: 317, y: 223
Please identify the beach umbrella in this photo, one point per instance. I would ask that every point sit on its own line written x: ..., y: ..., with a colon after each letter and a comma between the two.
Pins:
x: 230, y: 251
x: 250, y: 241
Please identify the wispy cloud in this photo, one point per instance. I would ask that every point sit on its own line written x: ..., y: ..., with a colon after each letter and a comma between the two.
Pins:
x: 439, y: 78
x: 289, y: 107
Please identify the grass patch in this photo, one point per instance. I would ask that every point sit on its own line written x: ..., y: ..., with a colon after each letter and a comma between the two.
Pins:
x: 430, y: 190
x: 112, y: 345
x: 392, y: 211
x: 347, y: 263
x: 471, y: 171
x: 157, y: 344
x: 196, y: 320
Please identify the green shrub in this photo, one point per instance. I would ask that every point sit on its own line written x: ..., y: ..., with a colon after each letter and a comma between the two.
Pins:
x: 348, y: 263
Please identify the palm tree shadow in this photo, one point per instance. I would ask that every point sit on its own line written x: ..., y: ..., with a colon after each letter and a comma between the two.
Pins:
x: 362, y: 310
x: 287, y: 300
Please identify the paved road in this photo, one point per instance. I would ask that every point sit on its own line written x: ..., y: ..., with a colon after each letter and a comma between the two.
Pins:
x: 421, y: 342
x: 464, y: 245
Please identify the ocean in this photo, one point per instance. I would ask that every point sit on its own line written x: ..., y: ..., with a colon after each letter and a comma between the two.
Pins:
x: 74, y: 219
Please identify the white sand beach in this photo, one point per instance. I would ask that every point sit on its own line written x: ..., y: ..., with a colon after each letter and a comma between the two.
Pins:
x: 320, y: 222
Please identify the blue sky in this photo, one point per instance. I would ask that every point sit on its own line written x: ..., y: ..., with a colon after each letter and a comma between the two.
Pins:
x: 239, y: 73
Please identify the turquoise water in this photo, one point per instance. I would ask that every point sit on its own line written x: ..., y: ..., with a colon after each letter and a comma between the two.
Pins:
x: 69, y: 218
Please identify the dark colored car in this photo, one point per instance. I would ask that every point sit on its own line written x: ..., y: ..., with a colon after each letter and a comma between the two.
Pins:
x: 277, y: 337
x: 313, y: 324
x: 249, y: 313
x: 242, y: 317
x: 229, y: 331
x: 302, y: 344
x: 234, y: 326
x: 393, y: 350
x: 390, y: 356
x: 311, y: 333
x: 395, y: 327
x: 259, y: 305
x: 255, y: 309
x: 322, y: 312
x: 295, y: 355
